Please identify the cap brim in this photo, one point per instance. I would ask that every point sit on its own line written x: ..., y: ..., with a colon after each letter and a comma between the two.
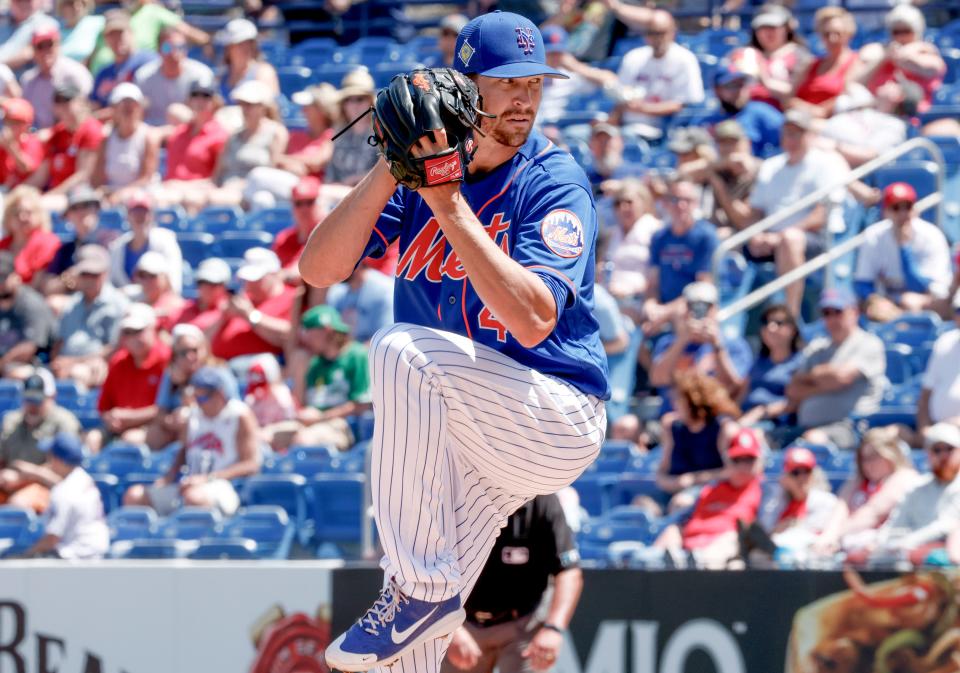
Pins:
x: 302, y: 98
x: 510, y: 70
x: 251, y: 274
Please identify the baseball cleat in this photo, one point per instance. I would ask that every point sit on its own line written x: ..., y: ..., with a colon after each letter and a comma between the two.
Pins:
x: 393, y: 626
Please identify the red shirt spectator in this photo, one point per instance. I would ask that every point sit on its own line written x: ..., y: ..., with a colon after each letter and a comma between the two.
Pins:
x: 27, y: 225
x: 136, y: 368
x: 237, y: 336
x: 192, y: 152
x: 307, y: 214
x: 212, y: 277
x: 64, y: 145
x: 155, y: 289
x: 20, y: 151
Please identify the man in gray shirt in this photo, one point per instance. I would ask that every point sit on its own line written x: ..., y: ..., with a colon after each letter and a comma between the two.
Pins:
x: 52, y: 71
x: 842, y: 374
x: 26, y: 322
x: 90, y: 324
x: 167, y: 81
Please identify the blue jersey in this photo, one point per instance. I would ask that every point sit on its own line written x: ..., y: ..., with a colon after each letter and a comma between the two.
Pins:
x: 538, y: 207
x: 680, y: 258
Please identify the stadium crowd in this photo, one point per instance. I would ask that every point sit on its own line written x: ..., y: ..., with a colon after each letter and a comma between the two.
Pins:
x: 159, y: 184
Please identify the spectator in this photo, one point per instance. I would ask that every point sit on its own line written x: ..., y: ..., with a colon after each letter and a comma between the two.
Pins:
x: 697, y: 343
x: 152, y: 275
x: 693, y: 148
x: 211, y: 277
x: 630, y: 243
x: 70, y: 152
x: 450, y: 27
x: 127, y: 59
x: 75, y: 527
x: 20, y: 151
x: 336, y: 383
x: 940, y: 393
x: 24, y: 478
x: 80, y: 28
x: 268, y: 395
x: 842, y: 374
x: 617, y: 334
x: 781, y: 181
x: 797, y: 513
x: 882, y: 478
x: 144, y: 236
x: 241, y: 58
x: 127, y: 399
x: 364, y: 300
x: 353, y: 156
x: 931, y: 510
x: 903, y: 266
x: 259, y: 142
x: 9, y: 87
x: 307, y: 214
x: 149, y: 19
x: 606, y: 161
x: 82, y: 216
x: 696, y: 434
x: 817, y: 86
x: 218, y: 444
x: 257, y: 321
x: 763, y: 393
x: 760, y: 122
x: 906, y: 57
x: 680, y: 253
x: 659, y: 79
x: 711, y: 532
x: 28, y: 235
x: 128, y: 158
x: 775, y: 53
x: 27, y: 17
x: 581, y: 80
x: 90, y: 324
x: 166, y: 81
x: 52, y: 71
x: 26, y: 323
x: 731, y: 177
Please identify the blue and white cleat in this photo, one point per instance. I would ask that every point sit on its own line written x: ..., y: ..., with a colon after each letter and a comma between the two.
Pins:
x: 392, y: 627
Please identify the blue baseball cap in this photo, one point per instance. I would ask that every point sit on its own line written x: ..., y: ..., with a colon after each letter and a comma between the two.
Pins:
x: 837, y: 298
x: 64, y: 446
x: 554, y: 39
x: 502, y: 44
x: 213, y: 378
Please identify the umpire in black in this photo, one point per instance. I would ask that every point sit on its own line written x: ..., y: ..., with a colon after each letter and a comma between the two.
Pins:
x: 504, y: 629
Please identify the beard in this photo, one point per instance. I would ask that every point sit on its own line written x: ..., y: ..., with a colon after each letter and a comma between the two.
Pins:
x: 946, y: 473
x: 506, y: 134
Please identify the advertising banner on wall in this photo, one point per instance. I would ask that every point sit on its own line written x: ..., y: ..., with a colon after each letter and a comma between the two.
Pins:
x: 742, y: 622
x: 164, y: 617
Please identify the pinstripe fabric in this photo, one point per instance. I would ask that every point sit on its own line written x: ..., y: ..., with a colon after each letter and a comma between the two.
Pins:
x: 464, y: 436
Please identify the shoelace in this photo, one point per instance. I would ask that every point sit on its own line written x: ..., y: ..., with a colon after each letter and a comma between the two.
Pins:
x: 383, y: 611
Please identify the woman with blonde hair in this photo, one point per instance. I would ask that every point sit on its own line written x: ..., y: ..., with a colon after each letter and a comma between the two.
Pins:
x: 630, y: 245
x: 883, y: 475
x: 817, y: 87
x: 26, y: 228
x: 242, y: 61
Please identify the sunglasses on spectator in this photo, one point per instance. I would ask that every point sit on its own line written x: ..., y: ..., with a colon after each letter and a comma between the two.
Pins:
x: 201, y: 94
x: 129, y: 331
x: 800, y: 472
x: 655, y: 33
x: 779, y: 322
x: 303, y: 203
x: 139, y: 210
x: 167, y: 48
x: 744, y: 460
x: 43, y: 46
x: 6, y: 296
x: 207, y: 282
x: 903, y: 205
x: 830, y: 312
x: 144, y: 274
x: 900, y: 30
x: 941, y: 448
x: 183, y: 352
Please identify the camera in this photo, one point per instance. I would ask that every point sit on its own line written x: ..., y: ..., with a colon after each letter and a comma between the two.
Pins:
x: 699, y: 309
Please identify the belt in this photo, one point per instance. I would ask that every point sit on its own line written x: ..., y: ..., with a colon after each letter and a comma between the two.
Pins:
x: 485, y: 619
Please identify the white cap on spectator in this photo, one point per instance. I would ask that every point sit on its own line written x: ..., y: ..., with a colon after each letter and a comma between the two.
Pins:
x: 907, y: 15
x: 237, y: 31
x: 186, y: 329
x: 39, y: 385
x: 152, y: 262
x: 251, y: 92
x: 942, y: 433
x: 138, y: 316
x: 700, y: 291
x: 213, y: 270
x: 258, y: 262
x: 126, y: 91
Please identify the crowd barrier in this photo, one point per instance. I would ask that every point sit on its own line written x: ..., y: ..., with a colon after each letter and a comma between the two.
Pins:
x: 266, y: 617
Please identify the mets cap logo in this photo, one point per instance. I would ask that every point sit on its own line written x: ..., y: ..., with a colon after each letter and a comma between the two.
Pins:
x: 525, y: 40
x: 466, y: 52
x: 562, y: 231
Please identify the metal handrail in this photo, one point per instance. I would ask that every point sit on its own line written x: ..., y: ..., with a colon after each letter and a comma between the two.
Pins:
x: 744, y: 235
x: 821, y: 260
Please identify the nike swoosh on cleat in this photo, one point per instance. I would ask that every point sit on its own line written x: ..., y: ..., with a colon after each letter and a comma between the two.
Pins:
x: 399, y: 637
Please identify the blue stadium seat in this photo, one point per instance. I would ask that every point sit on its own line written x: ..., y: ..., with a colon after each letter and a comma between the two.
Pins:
x: 284, y: 490
x: 293, y: 78
x: 174, y: 218
x: 423, y: 47
x: 308, y: 460
x: 384, y: 72
x: 605, y: 531
x: 313, y: 52
x: 332, y: 73
x: 911, y: 329
x: 113, y: 218
x: 236, y: 243
x: 10, y: 395
x: 110, y: 493
x: 899, y: 369
x: 195, y: 246
x: 19, y: 529
x: 121, y: 459
x: 630, y: 485
x: 218, y: 219
x: 362, y: 425
x: 267, y: 525
x: 270, y: 220
x: 337, y: 507
x: 70, y: 395
x: 132, y: 522
x: 596, y: 491
x: 191, y: 523
x: 242, y: 549
x: 152, y: 549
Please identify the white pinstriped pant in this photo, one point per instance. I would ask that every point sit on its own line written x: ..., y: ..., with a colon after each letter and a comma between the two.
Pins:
x: 464, y: 436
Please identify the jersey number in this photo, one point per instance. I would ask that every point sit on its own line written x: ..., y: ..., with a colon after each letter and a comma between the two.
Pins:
x: 488, y: 321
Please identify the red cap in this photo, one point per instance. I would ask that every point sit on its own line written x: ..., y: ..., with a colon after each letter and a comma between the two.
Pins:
x: 138, y: 199
x: 799, y: 456
x: 45, y: 34
x: 307, y: 188
x: 898, y: 192
x: 744, y: 444
x: 18, y: 109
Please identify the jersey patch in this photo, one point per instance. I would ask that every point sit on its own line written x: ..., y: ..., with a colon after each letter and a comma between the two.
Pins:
x: 562, y: 232
x: 569, y: 558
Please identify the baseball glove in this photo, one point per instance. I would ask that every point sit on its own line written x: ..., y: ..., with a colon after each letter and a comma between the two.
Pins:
x: 414, y: 105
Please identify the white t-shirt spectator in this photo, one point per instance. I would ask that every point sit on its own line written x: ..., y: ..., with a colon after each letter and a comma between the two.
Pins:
x: 76, y: 517
x: 780, y: 184
x: 927, y: 514
x: 556, y: 93
x: 15, y: 39
x: 675, y: 77
x: 631, y: 256
x: 39, y: 89
x: 159, y: 240
x: 878, y: 260
x: 942, y: 377
x: 866, y: 127
x: 162, y: 92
